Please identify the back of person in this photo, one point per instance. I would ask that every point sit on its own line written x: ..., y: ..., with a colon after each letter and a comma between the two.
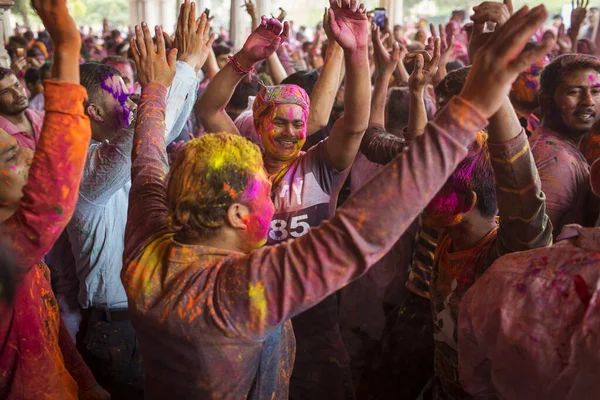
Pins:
x: 529, y: 326
x: 449, y: 283
x: 191, y: 346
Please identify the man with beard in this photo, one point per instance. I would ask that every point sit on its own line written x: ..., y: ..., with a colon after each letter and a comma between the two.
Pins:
x: 16, y: 119
x: 87, y: 259
x: 570, y: 102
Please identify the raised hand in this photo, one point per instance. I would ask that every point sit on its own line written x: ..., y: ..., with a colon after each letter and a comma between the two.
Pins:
x: 251, y: 10
x: 492, y: 11
x: 192, y: 36
x: 497, y: 65
x: 67, y: 41
x: 446, y: 44
x: 426, y: 66
x: 58, y: 22
x: 486, y: 12
x: 263, y: 42
x: 349, y: 24
x: 579, y: 13
x: 153, y: 65
x: 384, y: 61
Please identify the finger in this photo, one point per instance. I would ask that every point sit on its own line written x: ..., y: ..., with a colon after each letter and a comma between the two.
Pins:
x: 139, y: 39
x: 436, y: 54
x: 333, y: 4
x: 168, y: 40
x: 384, y: 37
x: 419, y: 64
x: 211, y: 40
x: 192, y: 18
x: 450, y: 43
x: 202, y: 26
x: 587, y: 3
x: 362, y: 9
x: 277, y: 27
x: 443, y: 34
x: 286, y: 31
x: 517, y: 31
x: 172, y: 60
x: 432, y: 29
x: 160, y: 42
x: 353, y: 5
x: 396, y: 53
x: 147, y: 38
x: 377, y: 41
x: 186, y: 15
x: 509, y: 6
x: 525, y: 59
x: 134, y: 51
x: 332, y: 22
x: 429, y: 44
x: 572, y: 5
x: 181, y: 16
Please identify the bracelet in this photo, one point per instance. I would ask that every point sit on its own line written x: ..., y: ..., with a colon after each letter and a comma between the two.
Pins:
x: 237, y: 67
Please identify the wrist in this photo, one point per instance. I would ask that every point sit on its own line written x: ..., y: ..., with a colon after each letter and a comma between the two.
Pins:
x: 358, y: 56
x: 416, y: 93
x: 244, y: 61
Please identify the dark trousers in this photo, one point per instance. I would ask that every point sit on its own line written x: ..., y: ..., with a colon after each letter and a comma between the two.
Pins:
x: 322, y: 366
x: 110, y: 349
x: 404, y: 364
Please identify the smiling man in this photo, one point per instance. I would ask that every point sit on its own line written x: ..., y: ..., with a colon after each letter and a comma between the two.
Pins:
x: 15, y: 118
x: 570, y: 102
x: 305, y: 185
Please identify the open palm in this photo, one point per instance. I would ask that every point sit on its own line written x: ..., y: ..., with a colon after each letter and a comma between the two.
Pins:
x: 349, y: 26
x: 265, y: 40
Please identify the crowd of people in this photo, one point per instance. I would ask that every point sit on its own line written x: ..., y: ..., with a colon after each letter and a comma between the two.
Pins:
x: 373, y: 213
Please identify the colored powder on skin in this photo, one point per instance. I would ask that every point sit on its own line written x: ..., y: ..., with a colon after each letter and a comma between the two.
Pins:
x: 258, y: 301
x: 59, y: 210
x: 114, y: 85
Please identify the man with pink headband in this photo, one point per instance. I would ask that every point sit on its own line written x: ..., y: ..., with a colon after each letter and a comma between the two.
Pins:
x: 305, y: 185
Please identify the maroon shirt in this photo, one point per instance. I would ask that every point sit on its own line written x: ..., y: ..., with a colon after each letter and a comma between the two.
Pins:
x: 202, y: 314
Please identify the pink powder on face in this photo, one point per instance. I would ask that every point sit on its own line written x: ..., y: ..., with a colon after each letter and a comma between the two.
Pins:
x: 256, y: 196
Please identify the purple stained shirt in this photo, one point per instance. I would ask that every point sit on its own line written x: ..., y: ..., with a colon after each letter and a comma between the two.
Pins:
x: 529, y: 328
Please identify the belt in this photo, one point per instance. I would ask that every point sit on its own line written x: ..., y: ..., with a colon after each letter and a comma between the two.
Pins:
x: 109, y: 314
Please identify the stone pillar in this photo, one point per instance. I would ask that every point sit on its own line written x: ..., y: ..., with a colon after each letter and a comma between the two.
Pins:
x: 394, y: 9
x: 262, y: 8
x: 5, y: 6
x: 238, y: 24
x: 133, y: 14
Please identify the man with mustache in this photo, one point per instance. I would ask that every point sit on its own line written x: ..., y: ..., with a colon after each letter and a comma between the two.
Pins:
x: 570, y: 102
x: 305, y: 185
x: 16, y: 119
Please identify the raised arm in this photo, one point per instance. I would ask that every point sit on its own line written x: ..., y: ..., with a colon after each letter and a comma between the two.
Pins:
x: 385, y: 64
x: 50, y: 195
x: 521, y: 203
x: 263, y: 42
x: 425, y: 69
x: 149, y: 164
x: 261, y: 290
x: 325, y: 90
x: 349, y: 26
x: 577, y: 17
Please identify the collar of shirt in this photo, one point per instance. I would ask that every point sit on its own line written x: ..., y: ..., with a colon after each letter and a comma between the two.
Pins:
x: 585, y: 238
x: 35, y: 117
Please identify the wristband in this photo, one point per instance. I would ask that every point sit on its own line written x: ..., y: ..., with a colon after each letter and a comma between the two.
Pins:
x: 237, y: 67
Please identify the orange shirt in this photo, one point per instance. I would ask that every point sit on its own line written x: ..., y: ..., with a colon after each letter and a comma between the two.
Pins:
x: 38, y: 359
